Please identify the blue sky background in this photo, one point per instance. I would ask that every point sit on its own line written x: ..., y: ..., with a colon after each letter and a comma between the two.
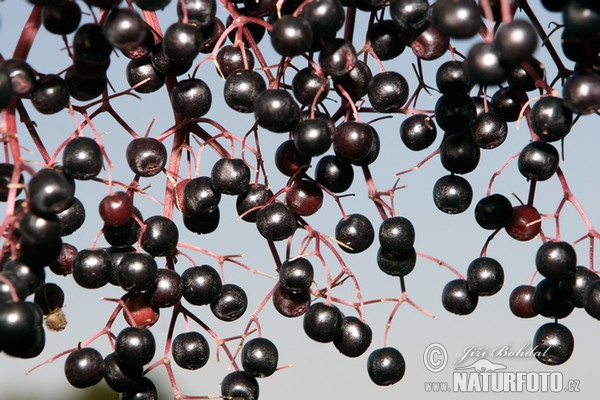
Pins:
x: 319, y: 370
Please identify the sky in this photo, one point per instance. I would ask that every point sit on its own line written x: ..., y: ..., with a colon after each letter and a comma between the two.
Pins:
x: 311, y: 369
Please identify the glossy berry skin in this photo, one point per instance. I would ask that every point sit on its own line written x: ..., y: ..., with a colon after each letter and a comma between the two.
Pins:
x: 146, y: 156
x: 116, y: 209
x: 306, y: 84
x: 296, y: 275
x: 254, y: 196
x: 538, y: 161
x: 452, y: 77
x: 50, y: 94
x: 135, y: 346
x: 61, y: 19
x: 190, y: 350
x: 289, y: 160
x: 355, y: 232
x: 142, y: 389
x: 322, y: 322
x: 353, y: 141
x: 72, y: 218
x: 201, y: 285
x: 548, y: 301
x: 550, y: 118
x: 137, y: 272
x: 591, y: 299
x: 506, y: 102
x: 409, y: 14
x: 485, y: 276
x: 200, y: 196
x: 459, y: 153
x: 452, y: 194
x: 459, y: 19
x: 304, y: 197
x: 231, y: 304
x: 291, y: 36
x: 396, y: 234
x: 120, y: 377
x: 575, y: 288
x: 484, y: 64
x: 396, y: 263
x: 32, y: 276
x: 181, y: 41
x: 91, y: 268
x: 355, y: 82
x: 387, y: 91
x: 275, y: 221
x: 556, y: 260
x: 290, y: 304
x: 525, y: 223
x: 230, y: 176
x: 191, y: 98
x: 337, y: 57
x: 259, y: 357
x: 334, y: 173
x: 124, y: 28
x: 313, y: 137
x: 276, y: 110
x: 493, y: 212
x: 126, y: 234
x: 554, y: 342
x: 83, y: 367
x: 242, y: 88
x: 160, y: 236
x: 386, y: 40
x: 168, y: 289
x: 141, y: 311
x: 418, y: 132
x: 516, y: 41
x: 199, y: 12
x: 455, y: 112
x: 82, y: 158
x: 489, y: 130
x: 521, y: 301
x: 581, y: 93
x: 84, y: 88
x: 430, y: 43
x: 458, y: 299
x: 354, y: 338
x: 229, y: 59
x: 141, y: 70
x: 50, y: 192
x: 386, y: 366
x: 22, y: 77
x: 326, y: 17
x: 239, y: 385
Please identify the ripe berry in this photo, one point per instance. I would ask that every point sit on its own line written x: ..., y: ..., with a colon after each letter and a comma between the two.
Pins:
x: 548, y: 301
x: 201, y: 285
x: 458, y: 19
x: 82, y: 158
x: 168, y: 289
x: 485, y: 276
x: 83, y: 367
x: 191, y: 98
x: 574, y: 288
x: 556, y: 260
x: 91, y: 268
x: 254, y: 196
x: 418, y: 132
x: 259, y: 357
x: 239, y: 385
x: 355, y: 233
x: 291, y: 36
x: 387, y: 91
x: 124, y: 28
x: 242, y: 88
x: 313, y: 137
x: 50, y: 94
x: 538, y: 161
x: 409, y: 15
x: 334, y: 173
x: 135, y: 346
x: 386, y: 366
x: 484, y: 64
x: 50, y: 191
x: 304, y: 197
x: 230, y: 176
x: 275, y: 221
x: 231, y: 304
x: 181, y: 41
x: 452, y: 194
x: 458, y: 299
x: 397, y: 263
x: 521, y: 301
x: 146, y: 156
x: 337, y: 57
x: 554, y: 343
x: 296, y: 275
x: 137, y: 272
x: 516, y: 41
x: 160, y: 236
x: 550, y: 118
x: 493, y: 212
x: 354, y: 337
x: 190, y: 350
x: 322, y: 322
x: 396, y: 234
